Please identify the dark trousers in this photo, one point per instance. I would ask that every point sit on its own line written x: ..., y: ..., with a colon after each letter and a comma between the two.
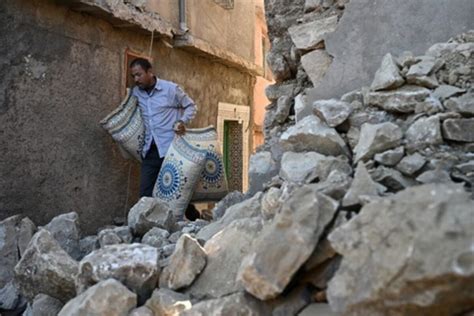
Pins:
x: 150, y: 168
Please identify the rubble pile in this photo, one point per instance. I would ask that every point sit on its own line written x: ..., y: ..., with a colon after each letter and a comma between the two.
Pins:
x: 361, y: 205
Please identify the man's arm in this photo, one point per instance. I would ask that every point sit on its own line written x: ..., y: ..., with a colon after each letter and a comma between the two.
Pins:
x: 185, y: 102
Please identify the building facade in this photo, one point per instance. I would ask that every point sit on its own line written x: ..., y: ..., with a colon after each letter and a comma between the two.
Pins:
x: 65, y: 67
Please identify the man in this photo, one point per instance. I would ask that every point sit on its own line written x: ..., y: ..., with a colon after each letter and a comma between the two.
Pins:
x: 165, y: 110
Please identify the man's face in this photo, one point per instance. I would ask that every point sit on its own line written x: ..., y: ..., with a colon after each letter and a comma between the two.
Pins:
x: 143, y: 79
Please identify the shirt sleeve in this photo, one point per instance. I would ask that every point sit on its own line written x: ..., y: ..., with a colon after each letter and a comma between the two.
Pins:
x: 185, y: 102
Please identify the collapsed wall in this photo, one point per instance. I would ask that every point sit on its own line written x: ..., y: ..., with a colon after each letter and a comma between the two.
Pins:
x: 364, y: 202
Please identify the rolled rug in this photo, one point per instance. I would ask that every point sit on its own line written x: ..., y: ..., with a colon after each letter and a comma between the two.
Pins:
x: 179, y: 174
x: 212, y: 184
x: 125, y: 125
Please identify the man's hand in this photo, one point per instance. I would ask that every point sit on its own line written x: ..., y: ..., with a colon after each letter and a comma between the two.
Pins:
x: 179, y: 127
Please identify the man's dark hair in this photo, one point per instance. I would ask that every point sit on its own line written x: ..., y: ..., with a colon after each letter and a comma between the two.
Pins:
x: 142, y: 62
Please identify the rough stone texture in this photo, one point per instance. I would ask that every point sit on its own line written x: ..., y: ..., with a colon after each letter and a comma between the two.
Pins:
x: 302, y: 107
x: 46, y: 268
x: 463, y: 104
x: 230, y: 199
x: 425, y: 131
x: 410, y: 254
x: 274, y: 91
x: 390, y: 157
x: 333, y: 112
x: 310, y: 35
x: 27, y: 230
x: 296, y: 167
x: 391, y: 178
x: 461, y: 130
x: 310, y: 134
x: 271, y: 202
x: 146, y: 214
x: 88, y: 244
x: 362, y: 185
x: 262, y: 168
x: 411, y: 164
x: 135, y: 265
x: 56, y: 148
x: 156, y: 237
x: 315, y: 64
x: 279, y: 66
x: 225, y: 252
x: 141, y: 311
x: 8, y: 248
x: 388, y: 75
x: 376, y: 138
x: 364, y: 35
x: 44, y: 305
x: 401, y: 100
x: 108, y: 298
x: 247, y: 208
x: 167, y: 302
x: 317, y: 309
x: 446, y: 91
x: 187, y: 261
x: 236, y: 304
x: 283, y: 108
x: 291, y: 237
x: 9, y: 296
x: 65, y: 229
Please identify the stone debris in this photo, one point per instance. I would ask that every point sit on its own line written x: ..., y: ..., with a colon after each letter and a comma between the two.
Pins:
x: 108, y: 297
x: 186, y: 262
x: 363, y: 202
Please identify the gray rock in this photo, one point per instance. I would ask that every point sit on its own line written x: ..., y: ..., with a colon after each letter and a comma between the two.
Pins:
x: 108, y: 237
x: 291, y: 302
x: 296, y: 167
x: 463, y: 104
x: 461, y: 130
x: 65, y: 229
x: 310, y: 35
x: 425, y: 67
x: 279, y: 66
x: 402, y: 100
x: 236, y: 304
x: 88, y: 244
x: 362, y: 185
x: 444, y: 92
x: 424, y: 132
x: 390, y: 157
x: 108, y: 298
x: 434, y: 176
x: 248, y: 208
x: 225, y: 253
x: 391, y: 178
x: 335, y: 185
x: 302, y: 107
x: 352, y: 96
x: 376, y: 139
x: 262, y: 168
x: 27, y: 230
x: 271, y: 202
x: 9, y: 296
x: 167, y: 302
x: 325, y: 165
x: 439, y: 49
x: 317, y: 309
x: 156, y: 237
x: 141, y: 311
x: 321, y: 253
x: 8, y: 248
x: 149, y: 213
x: 466, y: 167
x: 274, y: 91
x: 411, y: 164
x: 310, y: 134
x: 388, y: 75
x: 333, y: 112
x: 291, y: 237
x: 44, y: 305
x: 390, y: 249
x: 230, y: 199
x: 430, y: 106
x: 357, y: 119
x: 168, y: 249
x: 424, y: 81
x: 46, y: 268
x: 135, y: 265
x: 315, y: 64
x: 187, y: 261
x: 174, y: 237
x: 283, y: 109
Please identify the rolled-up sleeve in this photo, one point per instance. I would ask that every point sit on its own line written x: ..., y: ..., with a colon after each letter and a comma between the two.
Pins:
x: 185, y: 102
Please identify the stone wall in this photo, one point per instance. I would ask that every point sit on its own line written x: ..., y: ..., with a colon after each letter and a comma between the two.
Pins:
x: 62, y: 72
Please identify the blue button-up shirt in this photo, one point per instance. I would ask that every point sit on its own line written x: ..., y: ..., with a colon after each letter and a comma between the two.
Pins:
x: 166, y: 104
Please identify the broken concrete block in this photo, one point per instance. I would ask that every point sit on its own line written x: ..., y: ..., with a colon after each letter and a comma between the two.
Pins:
x: 187, y: 261
x: 388, y: 75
